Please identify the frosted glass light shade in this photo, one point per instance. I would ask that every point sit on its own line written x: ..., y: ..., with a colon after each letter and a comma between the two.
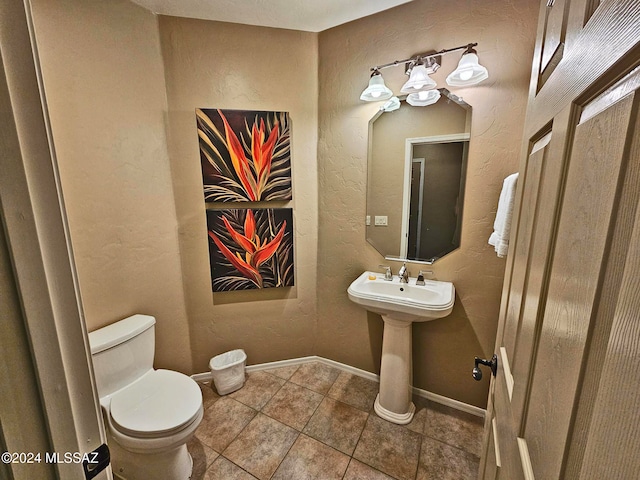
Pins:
x: 392, y: 104
x: 424, y: 98
x: 376, y: 90
x: 469, y: 72
x: 418, y: 80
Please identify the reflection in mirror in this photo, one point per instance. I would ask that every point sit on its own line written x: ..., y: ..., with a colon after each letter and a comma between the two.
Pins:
x: 416, y: 175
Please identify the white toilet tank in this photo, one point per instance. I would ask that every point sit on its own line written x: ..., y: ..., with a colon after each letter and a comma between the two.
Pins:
x: 122, y: 352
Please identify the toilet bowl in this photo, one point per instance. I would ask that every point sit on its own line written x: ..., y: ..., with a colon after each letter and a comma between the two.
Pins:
x: 149, y: 414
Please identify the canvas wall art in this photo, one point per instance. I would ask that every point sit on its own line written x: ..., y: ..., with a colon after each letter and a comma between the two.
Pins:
x: 245, y: 155
x: 250, y: 248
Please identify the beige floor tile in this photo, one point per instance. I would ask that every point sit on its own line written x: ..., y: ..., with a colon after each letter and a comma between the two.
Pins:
x: 223, y: 469
x: 444, y: 462
x: 315, y: 376
x: 261, y: 446
x: 420, y: 415
x: 359, y: 471
x: 333, y: 410
x: 283, y: 372
x: 293, y: 405
x: 202, y: 457
x: 356, y: 391
x: 392, y: 449
x: 222, y: 422
x: 258, y: 389
x: 337, y: 424
x: 209, y: 395
x: 309, y: 459
x: 453, y: 427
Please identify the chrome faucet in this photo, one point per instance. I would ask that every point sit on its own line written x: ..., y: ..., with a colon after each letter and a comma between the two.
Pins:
x: 403, y: 273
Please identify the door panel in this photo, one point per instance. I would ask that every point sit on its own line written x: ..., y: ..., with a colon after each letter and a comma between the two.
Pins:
x: 606, y: 49
x: 618, y: 403
x: 534, y: 231
x: 539, y: 261
x: 490, y: 466
x: 587, y: 212
x: 554, y: 35
x: 610, y: 379
x: 591, y: 7
x: 526, y: 223
x: 506, y: 426
x: 493, y: 456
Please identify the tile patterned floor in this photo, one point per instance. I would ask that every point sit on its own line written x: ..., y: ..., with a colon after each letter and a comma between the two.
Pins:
x: 314, y: 421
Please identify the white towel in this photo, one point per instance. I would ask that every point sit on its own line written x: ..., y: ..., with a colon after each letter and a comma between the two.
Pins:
x: 502, y: 225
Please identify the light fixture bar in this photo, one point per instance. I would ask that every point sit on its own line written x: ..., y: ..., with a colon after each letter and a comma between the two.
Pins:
x: 418, y: 57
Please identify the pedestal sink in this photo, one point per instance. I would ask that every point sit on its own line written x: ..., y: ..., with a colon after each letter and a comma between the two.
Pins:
x: 400, y: 304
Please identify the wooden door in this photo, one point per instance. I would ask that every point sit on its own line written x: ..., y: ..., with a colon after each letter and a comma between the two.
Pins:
x: 44, y: 339
x: 565, y: 403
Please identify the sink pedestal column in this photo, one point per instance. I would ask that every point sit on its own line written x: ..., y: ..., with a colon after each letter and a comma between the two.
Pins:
x: 393, y: 402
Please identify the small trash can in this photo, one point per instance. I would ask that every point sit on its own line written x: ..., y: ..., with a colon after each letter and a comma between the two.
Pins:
x: 227, y: 370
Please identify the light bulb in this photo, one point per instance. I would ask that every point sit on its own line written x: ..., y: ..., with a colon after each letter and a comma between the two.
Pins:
x: 376, y: 94
x: 466, y: 75
x: 423, y: 95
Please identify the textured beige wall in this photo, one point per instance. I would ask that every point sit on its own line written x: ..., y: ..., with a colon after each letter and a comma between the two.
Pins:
x: 104, y: 83
x: 443, y: 349
x: 230, y: 66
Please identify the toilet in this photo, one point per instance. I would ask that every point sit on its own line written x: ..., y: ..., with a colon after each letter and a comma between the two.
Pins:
x: 149, y: 414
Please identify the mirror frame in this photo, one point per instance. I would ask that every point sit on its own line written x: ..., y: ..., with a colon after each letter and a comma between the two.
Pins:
x: 406, y: 200
x: 463, y: 137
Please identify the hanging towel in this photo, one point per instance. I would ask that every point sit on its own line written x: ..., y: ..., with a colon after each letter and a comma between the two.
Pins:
x: 502, y: 225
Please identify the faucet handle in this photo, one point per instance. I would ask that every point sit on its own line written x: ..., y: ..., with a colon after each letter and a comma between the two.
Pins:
x: 420, y: 279
x: 387, y: 274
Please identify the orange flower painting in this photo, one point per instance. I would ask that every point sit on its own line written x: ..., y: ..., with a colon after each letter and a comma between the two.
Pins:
x: 245, y: 155
x: 250, y: 248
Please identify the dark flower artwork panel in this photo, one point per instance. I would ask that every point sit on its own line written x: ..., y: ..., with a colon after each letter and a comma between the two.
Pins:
x: 245, y: 155
x: 250, y: 248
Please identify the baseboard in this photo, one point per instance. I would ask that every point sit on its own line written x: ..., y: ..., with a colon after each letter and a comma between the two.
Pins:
x: 434, y: 397
x: 450, y: 402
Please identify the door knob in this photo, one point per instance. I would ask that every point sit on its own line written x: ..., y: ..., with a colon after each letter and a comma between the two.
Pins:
x: 493, y: 364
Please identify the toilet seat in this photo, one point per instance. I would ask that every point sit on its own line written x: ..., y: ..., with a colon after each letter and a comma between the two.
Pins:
x: 158, y: 404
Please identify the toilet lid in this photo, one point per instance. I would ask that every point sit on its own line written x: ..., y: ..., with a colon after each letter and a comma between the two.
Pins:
x: 160, y: 402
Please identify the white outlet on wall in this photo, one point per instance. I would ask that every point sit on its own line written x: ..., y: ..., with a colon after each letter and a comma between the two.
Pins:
x: 381, y: 220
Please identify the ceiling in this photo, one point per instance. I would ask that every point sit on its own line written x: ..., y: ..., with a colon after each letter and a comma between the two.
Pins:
x: 306, y: 15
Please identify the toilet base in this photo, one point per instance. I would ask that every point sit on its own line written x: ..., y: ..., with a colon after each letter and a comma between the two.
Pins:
x: 174, y: 464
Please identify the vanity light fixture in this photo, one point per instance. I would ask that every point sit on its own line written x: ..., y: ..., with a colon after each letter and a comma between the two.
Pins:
x: 419, y: 79
x: 469, y: 71
x: 420, y: 86
x: 376, y: 90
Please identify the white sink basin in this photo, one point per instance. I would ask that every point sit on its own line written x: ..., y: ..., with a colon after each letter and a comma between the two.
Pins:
x: 403, y: 301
